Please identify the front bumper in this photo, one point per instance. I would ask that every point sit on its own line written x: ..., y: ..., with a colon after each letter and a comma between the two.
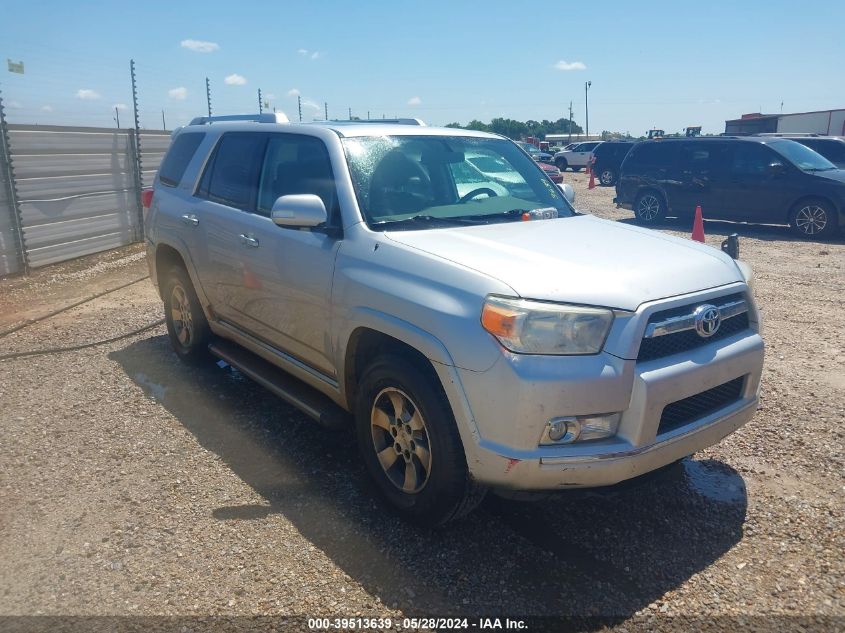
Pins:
x: 512, y: 402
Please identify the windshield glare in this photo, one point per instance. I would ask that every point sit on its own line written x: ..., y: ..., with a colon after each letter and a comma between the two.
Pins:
x: 801, y: 156
x: 446, y: 179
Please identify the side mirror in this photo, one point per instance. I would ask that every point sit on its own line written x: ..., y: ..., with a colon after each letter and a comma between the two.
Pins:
x: 299, y: 210
x: 568, y: 192
x: 776, y: 168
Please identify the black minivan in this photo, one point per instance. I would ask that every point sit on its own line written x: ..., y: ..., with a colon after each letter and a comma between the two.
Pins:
x: 750, y: 179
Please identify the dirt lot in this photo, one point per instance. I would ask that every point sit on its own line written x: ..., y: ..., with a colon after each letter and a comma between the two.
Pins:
x: 131, y: 484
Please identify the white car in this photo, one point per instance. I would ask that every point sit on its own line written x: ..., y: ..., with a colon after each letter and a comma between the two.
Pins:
x: 577, y: 157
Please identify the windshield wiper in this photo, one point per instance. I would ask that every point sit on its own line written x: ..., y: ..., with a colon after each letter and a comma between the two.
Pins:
x: 427, y: 219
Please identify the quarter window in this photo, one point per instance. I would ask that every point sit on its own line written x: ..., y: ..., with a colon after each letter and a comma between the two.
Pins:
x: 178, y: 158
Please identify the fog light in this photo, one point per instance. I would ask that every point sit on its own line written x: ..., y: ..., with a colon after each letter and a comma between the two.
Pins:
x: 565, y: 430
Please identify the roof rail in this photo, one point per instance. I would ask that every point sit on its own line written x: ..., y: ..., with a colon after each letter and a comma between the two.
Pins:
x: 268, y: 117
x: 787, y: 134
x: 400, y: 121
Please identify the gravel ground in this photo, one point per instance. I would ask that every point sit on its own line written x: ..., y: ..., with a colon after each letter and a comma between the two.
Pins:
x: 132, y: 485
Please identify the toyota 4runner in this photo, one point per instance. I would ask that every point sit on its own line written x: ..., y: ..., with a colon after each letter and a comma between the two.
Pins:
x: 474, y: 334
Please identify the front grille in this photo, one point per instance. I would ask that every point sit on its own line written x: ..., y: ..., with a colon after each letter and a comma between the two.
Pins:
x: 661, y: 346
x: 695, y: 407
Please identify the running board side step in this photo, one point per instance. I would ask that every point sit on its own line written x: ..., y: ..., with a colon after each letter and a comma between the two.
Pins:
x: 314, y: 404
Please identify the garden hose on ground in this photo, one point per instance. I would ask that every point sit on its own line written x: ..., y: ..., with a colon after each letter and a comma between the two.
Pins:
x: 73, y: 348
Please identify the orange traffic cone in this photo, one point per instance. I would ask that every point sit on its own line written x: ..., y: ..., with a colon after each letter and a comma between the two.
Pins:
x: 592, y: 184
x: 698, y: 225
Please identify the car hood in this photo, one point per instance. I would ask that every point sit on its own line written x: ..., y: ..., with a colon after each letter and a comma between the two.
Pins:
x: 834, y: 174
x: 580, y: 259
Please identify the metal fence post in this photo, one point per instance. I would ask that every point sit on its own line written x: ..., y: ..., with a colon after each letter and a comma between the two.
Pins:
x: 9, y: 178
x: 135, y: 149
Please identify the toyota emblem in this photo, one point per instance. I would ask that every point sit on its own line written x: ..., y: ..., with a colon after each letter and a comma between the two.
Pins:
x: 708, y: 318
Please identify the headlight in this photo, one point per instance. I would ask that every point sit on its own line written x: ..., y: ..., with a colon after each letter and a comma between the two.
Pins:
x: 533, y: 327
x: 747, y: 274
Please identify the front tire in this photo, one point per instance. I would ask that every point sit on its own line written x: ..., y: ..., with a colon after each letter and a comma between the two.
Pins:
x: 187, y: 326
x: 410, y: 445
x: 561, y: 164
x: 649, y: 207
x: 813, y: 218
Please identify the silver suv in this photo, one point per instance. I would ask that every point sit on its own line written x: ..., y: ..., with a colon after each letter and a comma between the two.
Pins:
x: 475, y: 330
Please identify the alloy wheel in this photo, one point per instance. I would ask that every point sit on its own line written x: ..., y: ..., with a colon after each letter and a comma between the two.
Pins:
x: 180, y: 313
x: 648, y: 207
x: 811, y: 219
x: 400, y: 439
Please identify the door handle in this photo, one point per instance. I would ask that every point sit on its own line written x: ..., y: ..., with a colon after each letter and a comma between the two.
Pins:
x: 190, y: 219
x: 248, y: 240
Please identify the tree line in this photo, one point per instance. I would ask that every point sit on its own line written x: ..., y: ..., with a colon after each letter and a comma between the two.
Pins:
x: 519, y: 129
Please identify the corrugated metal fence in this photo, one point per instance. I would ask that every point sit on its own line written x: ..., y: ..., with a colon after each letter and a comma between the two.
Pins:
x: 76, y: 191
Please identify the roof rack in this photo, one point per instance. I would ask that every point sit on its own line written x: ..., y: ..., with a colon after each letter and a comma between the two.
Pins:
x: 400, y: 121
x: 269, y: 117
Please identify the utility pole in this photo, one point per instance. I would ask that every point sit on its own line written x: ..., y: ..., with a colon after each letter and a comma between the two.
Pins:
x: 326, y: 108
x: 208, y: 95
x: 260, y: 104
x: 117, y: 116
x: 350, y: 114
x: 299, y: 103
x: 570, y: 122
x: 163, y: 123
x: 587, y: 107
x: 368, y: 115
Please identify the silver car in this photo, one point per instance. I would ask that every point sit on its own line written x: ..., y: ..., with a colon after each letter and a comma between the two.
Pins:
x: 473, y: 336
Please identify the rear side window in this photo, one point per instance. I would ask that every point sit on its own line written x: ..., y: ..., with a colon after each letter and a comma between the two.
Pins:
x: 231, y: 177
x: 652, y: 154
x: 178, y: 157
x: 699, y: 157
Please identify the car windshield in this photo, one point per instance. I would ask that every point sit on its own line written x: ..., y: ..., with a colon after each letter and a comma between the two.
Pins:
x: 414, y: 182
x: 801, y: 156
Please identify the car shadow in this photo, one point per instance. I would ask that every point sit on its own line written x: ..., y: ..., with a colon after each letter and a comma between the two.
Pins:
x: 765, y: 232
x: 607, y: 553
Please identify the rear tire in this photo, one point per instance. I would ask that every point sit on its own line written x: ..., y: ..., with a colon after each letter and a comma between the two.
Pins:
x: 649, y: 207
x: 813, y: 218
x: 187, y: 326
x: 410, y: 445
x: 607, y: 177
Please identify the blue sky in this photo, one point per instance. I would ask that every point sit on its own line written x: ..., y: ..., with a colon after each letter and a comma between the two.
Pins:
x: 664, y: 64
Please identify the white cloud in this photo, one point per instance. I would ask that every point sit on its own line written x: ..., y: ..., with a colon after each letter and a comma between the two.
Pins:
x: 87, y: 94
x: 270, y: 96
x: 199, y: 46
x: 294, y: 92
x: 564, y: 65
x: 46, y: 108
x: 312, y: 104
x: 179, y: 94
x: 310, y: 54
x: 235, y: 80
x: 15, y: 105
x: 414, y: 101
x: 121, y: 106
